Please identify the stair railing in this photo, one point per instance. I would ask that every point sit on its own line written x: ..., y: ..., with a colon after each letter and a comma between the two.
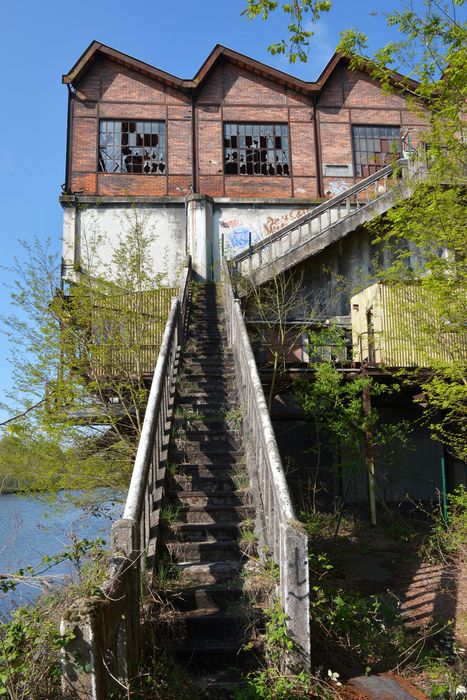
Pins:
x: 282, y: 536
x: 314, y: 223
x: 104, y: 648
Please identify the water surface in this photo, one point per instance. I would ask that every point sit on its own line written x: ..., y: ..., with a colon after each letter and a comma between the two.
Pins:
x: 31, y: 527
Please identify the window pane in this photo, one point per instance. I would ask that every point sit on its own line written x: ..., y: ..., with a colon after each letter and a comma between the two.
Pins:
x: 121, y: 146
x: 374, y: 147
x: 255, y: 149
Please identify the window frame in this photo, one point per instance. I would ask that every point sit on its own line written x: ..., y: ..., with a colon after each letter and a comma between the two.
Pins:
x: 259, y: 149
x: 161, y: 149
x: 374, y: 167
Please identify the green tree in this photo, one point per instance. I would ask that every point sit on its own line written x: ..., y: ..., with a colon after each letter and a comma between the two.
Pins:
x: 82, y: 361
x: 427, y: 232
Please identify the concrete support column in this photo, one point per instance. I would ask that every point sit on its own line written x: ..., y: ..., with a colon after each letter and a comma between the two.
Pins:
x: 69, y: 243
x: 200, y: 237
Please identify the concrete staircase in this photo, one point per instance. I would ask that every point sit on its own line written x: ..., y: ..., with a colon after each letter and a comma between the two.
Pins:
x: 207, y: 516
x: 327, y: 223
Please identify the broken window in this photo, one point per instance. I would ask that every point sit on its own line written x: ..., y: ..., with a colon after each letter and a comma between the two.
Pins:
x: 132, y: 147
x: 374, y: 147
x: 256, y: 149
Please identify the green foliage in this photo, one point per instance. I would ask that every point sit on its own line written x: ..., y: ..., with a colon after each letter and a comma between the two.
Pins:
x: 447, y: 682
x: 358, y: 631
x: 334, y: 408
x: 273, y: 682
x: 30, y: 655
x: 80, y: 360
x: 301, y: 15
x: 270, y: 684
x: 31, y: 642
x: 282, y: 311
x: 426, y: 233
x: 353, y: 630
x: 448, y: 537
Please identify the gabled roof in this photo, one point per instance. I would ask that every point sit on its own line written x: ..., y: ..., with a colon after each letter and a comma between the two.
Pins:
x: 219, y: 53
x: 96, y: 49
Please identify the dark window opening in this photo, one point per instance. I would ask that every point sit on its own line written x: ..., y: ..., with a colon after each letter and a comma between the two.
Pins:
x: 256, y: 149
x: 132, y: 147
x: 374, y: 147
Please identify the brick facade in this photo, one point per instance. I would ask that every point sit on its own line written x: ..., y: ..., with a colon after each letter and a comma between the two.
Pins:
x: 319, y: 119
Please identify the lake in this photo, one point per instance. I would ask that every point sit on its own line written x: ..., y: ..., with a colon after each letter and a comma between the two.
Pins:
x: 32, y: 527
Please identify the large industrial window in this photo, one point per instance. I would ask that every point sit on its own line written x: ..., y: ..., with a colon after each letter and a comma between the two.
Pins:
x: 256, y: 149
x: 374, y: 147
x: 132, y: 147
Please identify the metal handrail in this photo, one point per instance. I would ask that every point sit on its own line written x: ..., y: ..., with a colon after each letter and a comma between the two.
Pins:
x: 280, y: 532
x: 344, y: 198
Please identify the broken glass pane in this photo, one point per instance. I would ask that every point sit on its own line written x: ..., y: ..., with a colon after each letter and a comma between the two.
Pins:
x: 258, y: 148
x: 121, y: 146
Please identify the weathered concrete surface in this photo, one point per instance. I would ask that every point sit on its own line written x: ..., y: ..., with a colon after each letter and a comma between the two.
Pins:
x: 386, y: 687
x: 93, y: 231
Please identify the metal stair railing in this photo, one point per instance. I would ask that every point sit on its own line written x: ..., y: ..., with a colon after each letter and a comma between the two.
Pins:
x: 319, y: 220
x: 105, y: 644
x: 280, y: 533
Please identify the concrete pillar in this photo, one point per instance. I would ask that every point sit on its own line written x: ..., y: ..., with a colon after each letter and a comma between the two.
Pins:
x: 200, y: 237
x: 69, y: 243
x: 295, y: 587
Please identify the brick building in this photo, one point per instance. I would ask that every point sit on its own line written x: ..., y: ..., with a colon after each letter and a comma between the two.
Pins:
x: 223, y: 160
x: 216, y: 161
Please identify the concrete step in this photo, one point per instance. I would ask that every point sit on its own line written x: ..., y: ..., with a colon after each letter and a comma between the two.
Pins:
x: 203, y: 533
x: 210, y: 573
x: 206, y: 345
x: 240, y: 497
x: 213, y: 655
x: 229, y: 458
x: 197, y: 325
x: 200, y: 410
x: 213, y: 386
x: 198, y: 552
x: 206, y: 370
x: 216, y: 595
x: 206, y: 443
x: 212, y: 355
x: 193, y: 426
x: 215, y: 514
x: 209, y: 624
x: 208, y: 484
x: 222, y: 685
x: 215, y: 470
x: 221, y: 394
x: 204, y: 406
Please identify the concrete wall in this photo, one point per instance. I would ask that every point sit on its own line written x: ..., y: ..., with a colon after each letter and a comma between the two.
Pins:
x: 235, y: 224
x: 92, y: 234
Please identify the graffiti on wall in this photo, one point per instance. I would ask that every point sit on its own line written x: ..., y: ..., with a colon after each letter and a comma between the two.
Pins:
x: 274, y: 223
x: 247, y: 227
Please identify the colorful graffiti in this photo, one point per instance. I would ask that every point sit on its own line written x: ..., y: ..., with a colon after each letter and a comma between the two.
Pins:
x: 273, y: 224
x: 243, y: 230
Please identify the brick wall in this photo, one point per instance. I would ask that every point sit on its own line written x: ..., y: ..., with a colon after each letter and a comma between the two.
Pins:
x: 109, y: 90
x: 353, y: 98
x: 230, y: 93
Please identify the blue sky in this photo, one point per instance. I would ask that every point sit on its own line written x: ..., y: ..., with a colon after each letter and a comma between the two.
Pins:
x: 42, y: 40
